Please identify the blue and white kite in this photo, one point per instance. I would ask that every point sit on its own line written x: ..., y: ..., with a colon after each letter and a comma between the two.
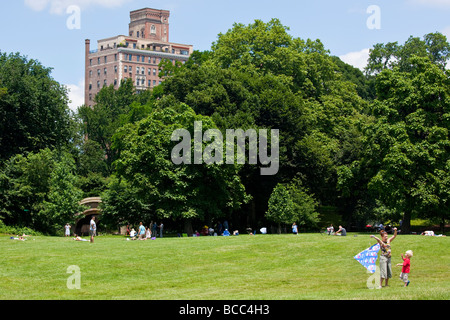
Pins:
x: 368, y: 257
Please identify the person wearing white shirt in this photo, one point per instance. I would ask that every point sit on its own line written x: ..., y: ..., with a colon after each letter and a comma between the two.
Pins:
x: 92, y: 229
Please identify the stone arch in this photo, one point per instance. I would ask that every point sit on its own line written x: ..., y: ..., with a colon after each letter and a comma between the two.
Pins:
x: 83, y: 219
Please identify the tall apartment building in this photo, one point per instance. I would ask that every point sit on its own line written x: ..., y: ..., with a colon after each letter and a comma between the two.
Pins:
x: 135, y: 56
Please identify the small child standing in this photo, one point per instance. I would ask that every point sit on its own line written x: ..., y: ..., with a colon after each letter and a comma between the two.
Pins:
x: 406, y: 266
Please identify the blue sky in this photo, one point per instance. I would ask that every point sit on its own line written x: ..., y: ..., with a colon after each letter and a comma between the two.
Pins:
x: 38, y: 28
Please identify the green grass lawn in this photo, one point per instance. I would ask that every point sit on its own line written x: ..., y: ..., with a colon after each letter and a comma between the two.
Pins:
x: 261, y: 267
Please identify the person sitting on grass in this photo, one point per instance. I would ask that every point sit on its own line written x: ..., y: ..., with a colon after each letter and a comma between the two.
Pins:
x: 133, y: 234
x: 141, y: 231
x: 330, y: 229
x: 148, y: 234
x: 341, y: 231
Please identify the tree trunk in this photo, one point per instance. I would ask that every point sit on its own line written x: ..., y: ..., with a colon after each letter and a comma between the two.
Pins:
x: 406, y: 225
x: 188, y: 227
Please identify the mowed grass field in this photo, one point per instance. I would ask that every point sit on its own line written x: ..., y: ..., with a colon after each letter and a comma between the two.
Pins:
x: 260, y: 267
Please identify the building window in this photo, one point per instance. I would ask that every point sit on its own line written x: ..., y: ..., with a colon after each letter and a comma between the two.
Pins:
x: 154, y: 71
x: 106, y: 59
x: 137, y: 70
x: 98, y: 60
x: 90, y: 73
x: 90, y: 62
x: 115, y: 55
x: 130, y: 69
x: 130, y: 56
x: 98, y: 84
x: 149, y: 83
x: 134, y: 45
x: 115, y: 69
x: 98, y: 72
x: 138, y: 58
x: 104, y: 71
x: 143, y: 70
x: 153, y: 29
x: 137, y: 34
x: 104, y: 83
x: 125, y: 69
x: 115, y: 82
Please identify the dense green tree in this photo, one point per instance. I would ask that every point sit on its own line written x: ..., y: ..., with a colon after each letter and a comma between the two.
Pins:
x: 406, y: 149
x: 281, y: 207
x: 62, y: 201
x: 34, y: 112
x: 178, y: 192
x: 121, y: 205
x: 113, y: 109
x: 434, y: 46
x: 25, y: 183
x: 258, y: 76
x: 292, y: 203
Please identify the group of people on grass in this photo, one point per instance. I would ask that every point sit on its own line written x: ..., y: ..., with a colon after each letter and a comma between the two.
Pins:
x: 384, y: 242
x: 341, y: 231
x: 144, y: 233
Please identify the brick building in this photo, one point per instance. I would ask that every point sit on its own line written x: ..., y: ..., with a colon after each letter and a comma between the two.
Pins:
x: 134, y: 56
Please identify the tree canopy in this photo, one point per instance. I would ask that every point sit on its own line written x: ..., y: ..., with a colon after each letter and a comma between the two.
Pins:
x: 369, y: 146
x: 33, y: 107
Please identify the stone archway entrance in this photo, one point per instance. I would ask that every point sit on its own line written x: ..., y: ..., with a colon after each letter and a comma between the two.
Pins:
x: 92, y: 210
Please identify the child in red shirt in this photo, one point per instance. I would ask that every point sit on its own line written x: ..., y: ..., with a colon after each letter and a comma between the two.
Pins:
x: 406, y: 266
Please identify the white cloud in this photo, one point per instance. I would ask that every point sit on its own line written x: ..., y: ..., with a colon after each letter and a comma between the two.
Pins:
x: 76, y: 95
x: 60, y: 6
x: 357, y: 59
